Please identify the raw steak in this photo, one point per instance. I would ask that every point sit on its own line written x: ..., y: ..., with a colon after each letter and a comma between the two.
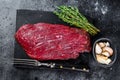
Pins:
x: 43, y: 41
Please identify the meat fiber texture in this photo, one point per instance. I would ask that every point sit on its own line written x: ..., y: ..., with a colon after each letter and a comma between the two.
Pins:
x: 44, y: 41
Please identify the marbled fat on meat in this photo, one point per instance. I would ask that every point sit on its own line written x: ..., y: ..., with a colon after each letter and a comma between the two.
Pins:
x: 43, y: 41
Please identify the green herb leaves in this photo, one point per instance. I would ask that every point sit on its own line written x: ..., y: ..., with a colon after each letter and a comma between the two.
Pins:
x: 72, y: 16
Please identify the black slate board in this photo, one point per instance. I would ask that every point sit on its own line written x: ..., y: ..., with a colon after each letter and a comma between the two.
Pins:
x: 32, y: 16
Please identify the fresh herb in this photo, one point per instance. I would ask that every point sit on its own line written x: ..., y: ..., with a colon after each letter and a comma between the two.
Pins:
x: 72, y: 16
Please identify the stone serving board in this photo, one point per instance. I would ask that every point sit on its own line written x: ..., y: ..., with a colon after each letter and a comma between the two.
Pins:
x: 35, y: 16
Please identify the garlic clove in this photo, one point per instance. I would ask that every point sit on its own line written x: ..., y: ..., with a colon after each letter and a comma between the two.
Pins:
x: 101, y: 56
x: 102, y: 44
x: 101, y: 59
x: 108, y: 61
x: 107, y: 54
x: 108, y: 49
x: 98, y: 49
x: 107, y: 44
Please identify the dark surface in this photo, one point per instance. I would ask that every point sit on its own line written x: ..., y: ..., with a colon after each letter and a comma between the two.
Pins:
x: 105, y: 14
x: 35, y: 16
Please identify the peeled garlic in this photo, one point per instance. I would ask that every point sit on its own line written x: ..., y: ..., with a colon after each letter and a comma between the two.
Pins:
x: 101, y: 56
x: 103, y: 52
x: 107, y: 54
x: 102, y: 44
x: 108, y: 49
x: 103, y: 59
x: 98, y: 49
x: 107, y: 44
x: 108, y: 61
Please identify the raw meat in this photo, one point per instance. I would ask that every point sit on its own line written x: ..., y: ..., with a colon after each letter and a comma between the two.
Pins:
x: 43, y: 41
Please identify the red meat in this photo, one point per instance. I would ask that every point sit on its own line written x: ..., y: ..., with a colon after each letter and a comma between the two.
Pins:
x: 43, y: 41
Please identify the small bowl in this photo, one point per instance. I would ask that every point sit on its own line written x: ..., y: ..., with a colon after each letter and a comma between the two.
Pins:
x: 113, y: 57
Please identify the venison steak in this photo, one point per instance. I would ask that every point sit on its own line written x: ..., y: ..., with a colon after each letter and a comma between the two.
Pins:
x: 44, y: 41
